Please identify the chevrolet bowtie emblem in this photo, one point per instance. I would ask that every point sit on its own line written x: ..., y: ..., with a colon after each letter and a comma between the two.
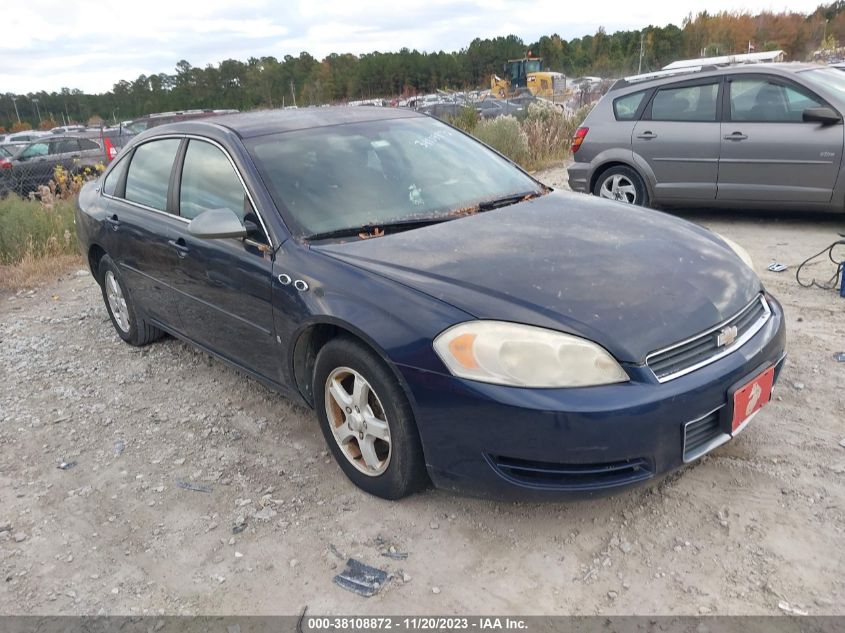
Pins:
x: 726, y: 336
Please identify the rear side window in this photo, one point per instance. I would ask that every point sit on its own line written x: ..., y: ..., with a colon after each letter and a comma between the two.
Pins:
x: 149, y: 173
x: 625, y: 108
x: 65, y: 146
x: 209, y: 182
x: 87, y: 144
x: 768, y: 102
x: 688, y: 103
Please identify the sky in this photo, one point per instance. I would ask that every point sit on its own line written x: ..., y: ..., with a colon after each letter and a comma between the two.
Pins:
x: 91, y: 45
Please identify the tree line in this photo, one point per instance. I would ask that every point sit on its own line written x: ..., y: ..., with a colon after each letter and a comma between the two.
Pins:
x: 304, y: 80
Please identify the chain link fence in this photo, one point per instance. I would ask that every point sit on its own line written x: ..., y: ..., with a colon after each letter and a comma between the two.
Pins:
x: 57, y: 162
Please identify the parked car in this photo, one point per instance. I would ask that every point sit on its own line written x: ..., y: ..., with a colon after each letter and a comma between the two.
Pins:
x: 767, y: 135
x: 446, y: 315
x: 443, y: 111
x: 491, y: 108
x: 34, y: 163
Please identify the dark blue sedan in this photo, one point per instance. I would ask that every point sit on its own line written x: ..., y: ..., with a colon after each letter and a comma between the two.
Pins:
x: 449, y: 318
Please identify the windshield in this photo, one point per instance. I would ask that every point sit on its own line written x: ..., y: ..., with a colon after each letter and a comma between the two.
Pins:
x: 826, y: 78
x: 380, y: 172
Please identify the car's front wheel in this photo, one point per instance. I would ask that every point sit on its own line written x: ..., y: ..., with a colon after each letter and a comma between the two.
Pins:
x: 130, y: 326
x: 367, y: 420
x: 622, y: 184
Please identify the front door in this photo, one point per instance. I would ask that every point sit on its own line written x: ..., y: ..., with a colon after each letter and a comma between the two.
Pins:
x: 678, y: 137
x: 224, y: 285
x: 768, y: 152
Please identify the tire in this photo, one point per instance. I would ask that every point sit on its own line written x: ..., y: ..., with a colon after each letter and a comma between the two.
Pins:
x: 127, y: 322
x: 622, y: 184
x: 396, y: 467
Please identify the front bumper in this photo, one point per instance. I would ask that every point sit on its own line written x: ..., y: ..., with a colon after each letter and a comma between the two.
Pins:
x: 579, y: 177
x: 508, y: 442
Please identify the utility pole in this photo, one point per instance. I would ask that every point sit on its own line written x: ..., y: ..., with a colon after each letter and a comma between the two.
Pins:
x: 37, y: 109
x: 640, y: 67
x: 293, y: 93
x: 15, y: 103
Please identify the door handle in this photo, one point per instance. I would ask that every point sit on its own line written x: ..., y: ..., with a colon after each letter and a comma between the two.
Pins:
x: 180, y: 246
x: 647, y: 135
x: 735, y: 136
x: 113, y: 221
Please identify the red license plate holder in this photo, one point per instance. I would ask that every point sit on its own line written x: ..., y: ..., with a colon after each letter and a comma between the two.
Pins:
x: 749, y: 396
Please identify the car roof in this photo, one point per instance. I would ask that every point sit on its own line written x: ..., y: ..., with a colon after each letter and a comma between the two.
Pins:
x: 263, y: 122
x: 682, y: 74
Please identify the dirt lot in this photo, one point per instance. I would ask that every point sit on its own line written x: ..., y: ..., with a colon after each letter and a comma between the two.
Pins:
x: 756, y: 524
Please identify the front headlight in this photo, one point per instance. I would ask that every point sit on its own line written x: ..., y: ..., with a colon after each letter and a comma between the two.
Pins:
x: 740, y: 252
x: 525, y: 356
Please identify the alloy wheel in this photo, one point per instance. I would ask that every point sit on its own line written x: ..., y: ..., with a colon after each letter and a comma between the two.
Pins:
x: 358, y: 421
x: 117, y: 302
x: 620, y: 188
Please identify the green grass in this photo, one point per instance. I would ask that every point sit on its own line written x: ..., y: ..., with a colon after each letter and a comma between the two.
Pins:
x: 29, y: 231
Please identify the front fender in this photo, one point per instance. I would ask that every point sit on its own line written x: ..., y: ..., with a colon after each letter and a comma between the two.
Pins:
x: 397, y: 322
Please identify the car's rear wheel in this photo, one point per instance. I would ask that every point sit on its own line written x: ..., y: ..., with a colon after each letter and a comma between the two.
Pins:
x: 367, y: 420
x: 622, y: 184
x: 127, y: 322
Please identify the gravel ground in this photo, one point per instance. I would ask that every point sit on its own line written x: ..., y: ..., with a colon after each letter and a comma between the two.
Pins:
x: 754, y: 528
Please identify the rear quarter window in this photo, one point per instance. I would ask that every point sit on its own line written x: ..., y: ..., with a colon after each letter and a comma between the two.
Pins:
x: 625, y: 108
x: 114, y: 177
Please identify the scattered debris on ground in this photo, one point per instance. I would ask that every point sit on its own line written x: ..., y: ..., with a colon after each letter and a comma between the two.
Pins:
x: 361, y: 579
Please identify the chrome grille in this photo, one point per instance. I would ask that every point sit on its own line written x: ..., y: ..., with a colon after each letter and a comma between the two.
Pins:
x: 702, y: 349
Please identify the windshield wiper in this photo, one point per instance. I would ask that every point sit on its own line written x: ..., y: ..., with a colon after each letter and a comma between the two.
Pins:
x: 504, y: 201
x: 373, y: 230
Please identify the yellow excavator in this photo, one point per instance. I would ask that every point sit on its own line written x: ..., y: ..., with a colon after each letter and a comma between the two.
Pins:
x: 526, y: 74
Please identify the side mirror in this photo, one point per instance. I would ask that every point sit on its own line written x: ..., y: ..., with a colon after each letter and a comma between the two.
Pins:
x: 825, y: 116
x: 217, y: 223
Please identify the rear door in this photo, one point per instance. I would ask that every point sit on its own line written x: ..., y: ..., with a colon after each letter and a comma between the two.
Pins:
x: 144, y: 227
x: 34, y: 166
x: 90, y: 153
x: 768, y: 152
x: 678, y: 138
x: 66, y: 153
x: 225, y: 285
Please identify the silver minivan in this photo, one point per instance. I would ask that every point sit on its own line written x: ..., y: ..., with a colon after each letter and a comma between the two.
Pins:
x: 763, y: 135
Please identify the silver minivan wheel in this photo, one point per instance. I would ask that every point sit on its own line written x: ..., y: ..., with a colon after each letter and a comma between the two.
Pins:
x: 620, y: 188
x: 358, y: 421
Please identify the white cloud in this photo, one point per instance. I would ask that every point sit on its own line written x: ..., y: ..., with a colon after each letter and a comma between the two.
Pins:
x: 96, y: 44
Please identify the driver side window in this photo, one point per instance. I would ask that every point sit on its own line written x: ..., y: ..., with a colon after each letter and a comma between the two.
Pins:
x: 210, y: 182
x: 763, y: 101
x: 36, y: 149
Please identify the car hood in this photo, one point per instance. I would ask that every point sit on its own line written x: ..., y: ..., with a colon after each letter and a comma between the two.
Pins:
x: 633, y: 280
